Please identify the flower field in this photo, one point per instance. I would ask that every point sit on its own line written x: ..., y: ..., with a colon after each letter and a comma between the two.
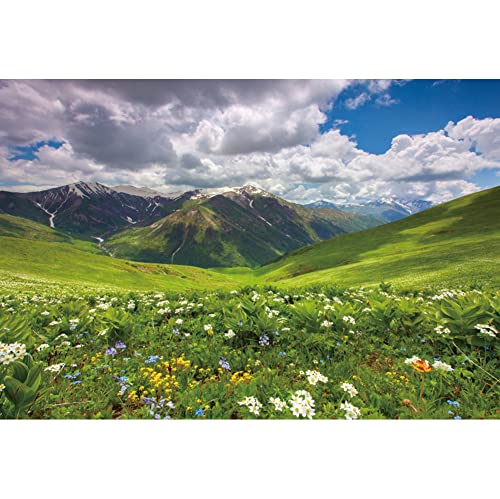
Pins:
x: 251, y: 353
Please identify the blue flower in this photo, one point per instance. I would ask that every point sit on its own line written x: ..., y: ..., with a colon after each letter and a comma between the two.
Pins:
x: 200, y: 412
x: 151, y: 359
x: 120, y: 345
x: 72, y: 327
x: 110, y: 351
x: 224, y: 364
x: 281, y: 354
x: 457, y: 417
x: 78, y: 382
x: 453, y: 402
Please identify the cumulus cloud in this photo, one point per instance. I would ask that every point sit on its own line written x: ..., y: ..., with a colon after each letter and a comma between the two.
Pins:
x: 179, y: 135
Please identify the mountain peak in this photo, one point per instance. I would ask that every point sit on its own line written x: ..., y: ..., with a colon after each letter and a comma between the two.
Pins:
x: 88, y: 189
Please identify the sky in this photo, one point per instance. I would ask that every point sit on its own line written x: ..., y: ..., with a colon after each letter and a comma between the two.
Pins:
x: 339, y: 140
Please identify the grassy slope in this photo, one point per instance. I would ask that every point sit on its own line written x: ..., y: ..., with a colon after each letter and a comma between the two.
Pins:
x: 218, y: 232
x: 446, y: 245
x: 450, y: 243
x: 31, y: 251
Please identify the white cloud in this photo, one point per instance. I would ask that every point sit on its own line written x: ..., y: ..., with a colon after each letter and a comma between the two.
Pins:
x: 181, y: 135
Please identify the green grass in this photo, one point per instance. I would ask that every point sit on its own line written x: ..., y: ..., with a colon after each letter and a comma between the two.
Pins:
x: 455, y: 242
x: 31, y: 252
x: 451, y: 244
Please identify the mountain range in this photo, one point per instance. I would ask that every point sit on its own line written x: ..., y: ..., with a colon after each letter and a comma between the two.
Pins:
x: 451, y: 244
x: 243, y: 226
x: 386, y: 209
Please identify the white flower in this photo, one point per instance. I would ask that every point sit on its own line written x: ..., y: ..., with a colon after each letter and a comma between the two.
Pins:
x: 230, y: 334
x: 55, y: 368
x: 207, y: 327
x: 41, y: 347
x: 487, y: 329
x: 301, y: 404
x: 314, y: 377
x: 351, y: 411
x: 348, y: 319
x: 349, y: 388
x: 54, y: 323
x: 326, y: 323
x: 7, y: 358
x: 442, y: 330
x: 252, y: 403
x: 2, y: 387
x: 279, y: 404
x: 45, y: 312
x: 179, y: 321
x: 442, y: 366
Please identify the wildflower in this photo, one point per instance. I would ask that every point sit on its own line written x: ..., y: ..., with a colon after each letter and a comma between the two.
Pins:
x: 253, y: 405
x: 264, y: 340
x: 302, y: 404
x: 151, y: 359
x: 7, y: 358
x: 442, y: 330
x: 418, y: 364
x: 457, y: 417
x: 486, y: 329
x: 349, y: 388
x: 351, y: 411
x: 230, y: 334
x: 208, y: 328
x: 314, y: 377
x: 349, y: 319
x: 179, y: 321
x: 442, y: 366
x: 110, y: 352
x: 224, y: 364
x: 453, y: 403
x: 326, y: 323
x: 199, y: 412
x: 2, y: 387
x: 55, y: 368
x: 279, y: 404
x: 120, y: 346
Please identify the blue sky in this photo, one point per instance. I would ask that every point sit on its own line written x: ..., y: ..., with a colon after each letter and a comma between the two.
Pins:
x: 340, y: 140
x: 421, y: 106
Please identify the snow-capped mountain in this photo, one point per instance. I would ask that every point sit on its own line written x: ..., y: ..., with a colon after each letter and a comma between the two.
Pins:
x: 86, y: 208
x: 207, y: 227
x: 388, y: 209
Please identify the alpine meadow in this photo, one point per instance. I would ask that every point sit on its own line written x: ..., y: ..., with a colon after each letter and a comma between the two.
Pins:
x: 249, y: 249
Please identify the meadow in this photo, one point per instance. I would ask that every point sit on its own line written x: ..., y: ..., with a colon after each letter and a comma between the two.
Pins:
x: 246, y: 353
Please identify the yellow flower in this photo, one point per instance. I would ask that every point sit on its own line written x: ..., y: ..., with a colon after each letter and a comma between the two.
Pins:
x: 422, y: 366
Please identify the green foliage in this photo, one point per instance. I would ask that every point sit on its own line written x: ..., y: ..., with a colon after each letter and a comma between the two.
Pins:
x: 233, y: 355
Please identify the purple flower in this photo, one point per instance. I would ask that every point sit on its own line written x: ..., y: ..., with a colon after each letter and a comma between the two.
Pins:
x: 120, y: 345
x: 110, y: 351
x: 224, y: 364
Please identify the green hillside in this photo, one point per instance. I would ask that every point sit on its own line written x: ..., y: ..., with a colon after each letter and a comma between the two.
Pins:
x: 225, y: 232
x: 454, y: 242
x: 30, y: 252
x: 451, y: 244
